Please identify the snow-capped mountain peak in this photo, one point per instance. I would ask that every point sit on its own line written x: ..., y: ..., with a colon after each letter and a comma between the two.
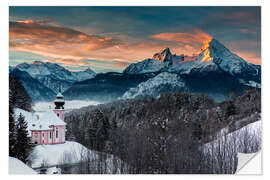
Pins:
x: 145, y: 66
x: 164, y: 56
x: 211, y: 49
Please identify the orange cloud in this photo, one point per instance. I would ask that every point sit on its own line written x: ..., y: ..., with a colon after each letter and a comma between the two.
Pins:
x: 68, y: 62
x: 187, y: 42
x: 65, y: 43
x: 55, y: 40
x: 243, y: 48
x: 196, y: 36
x: 68, y: 46
x: 249, y: 56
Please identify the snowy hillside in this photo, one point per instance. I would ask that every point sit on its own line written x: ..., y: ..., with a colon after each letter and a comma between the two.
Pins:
x: 215, y: 72
x: 35, y: 89
x: 215, y: 57
x: 51, y: 75
x: 145, y: 66
x: 16, y: 166
x: 71, y: 153
x: 39, y: 68
x: 224, y: 151
x: 164, y: 82
x: 227, y: 61
x: 159, y: 61
x: 50, y: 155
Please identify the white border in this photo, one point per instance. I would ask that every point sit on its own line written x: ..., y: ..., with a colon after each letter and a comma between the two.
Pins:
x: 4, y: 73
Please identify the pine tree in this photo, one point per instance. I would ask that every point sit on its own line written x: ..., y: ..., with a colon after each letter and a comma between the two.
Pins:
x: 12, y: 133
x: 18, y: 96
x: 230, y: 109
x: 23, y: 145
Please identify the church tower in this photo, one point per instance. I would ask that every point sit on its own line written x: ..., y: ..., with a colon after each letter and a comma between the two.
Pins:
x: 59, y: 102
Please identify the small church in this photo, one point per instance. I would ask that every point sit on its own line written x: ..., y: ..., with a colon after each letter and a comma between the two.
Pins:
x: 47, y: 127
x: 50, y: 127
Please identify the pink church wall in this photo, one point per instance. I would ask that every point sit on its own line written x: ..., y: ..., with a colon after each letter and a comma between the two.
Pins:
x: 43, y: 137
x: 60, y: 113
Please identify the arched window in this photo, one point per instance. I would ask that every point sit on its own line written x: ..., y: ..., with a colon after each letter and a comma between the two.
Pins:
x: 58, y: 114
x: 56, y: 132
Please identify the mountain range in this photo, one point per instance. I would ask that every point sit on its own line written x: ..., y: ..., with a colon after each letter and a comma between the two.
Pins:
x: 215, y: 71
x: 42, y: 79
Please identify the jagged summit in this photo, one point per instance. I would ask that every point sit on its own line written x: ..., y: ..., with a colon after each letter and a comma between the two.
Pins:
x: 213, y: 49
x: 164, y: 56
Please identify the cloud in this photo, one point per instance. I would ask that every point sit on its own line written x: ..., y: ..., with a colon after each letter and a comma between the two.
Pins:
x: 196, y: 36
x: 249, y: 50
x: 114, y: 50
x: 187, y: 42
x: 53, y: 40
x: 68, y: 62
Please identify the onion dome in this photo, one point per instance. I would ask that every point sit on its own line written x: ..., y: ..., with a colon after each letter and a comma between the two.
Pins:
x: 59, y: 101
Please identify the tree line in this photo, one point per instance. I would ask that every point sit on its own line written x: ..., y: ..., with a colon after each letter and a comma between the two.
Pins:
x: 19, y: 142
x: 168, y: 134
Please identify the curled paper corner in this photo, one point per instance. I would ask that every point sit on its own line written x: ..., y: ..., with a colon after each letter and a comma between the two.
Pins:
x: 249, y: 164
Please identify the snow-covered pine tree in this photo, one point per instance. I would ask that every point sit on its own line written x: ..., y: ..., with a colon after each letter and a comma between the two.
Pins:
x: 12, y: 133
x: 23, y: 144
x: 18, y: 96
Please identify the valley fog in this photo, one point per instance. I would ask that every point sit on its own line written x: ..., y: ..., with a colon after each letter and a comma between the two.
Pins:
x: 69, y: 105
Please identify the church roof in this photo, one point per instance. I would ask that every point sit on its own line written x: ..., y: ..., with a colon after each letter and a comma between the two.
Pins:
x: 39, y: 121
x: 59, y: 100
x: 59, y: 95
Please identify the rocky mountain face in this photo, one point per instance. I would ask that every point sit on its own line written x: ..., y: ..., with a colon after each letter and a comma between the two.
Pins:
x: 105, y: 86
x: 36, y: 90
x: 157, y: 85
x: 47, y: 77
x: 145, y: 66
x: 164, y: 56
x: 215, y: 72
x: 51, y: 74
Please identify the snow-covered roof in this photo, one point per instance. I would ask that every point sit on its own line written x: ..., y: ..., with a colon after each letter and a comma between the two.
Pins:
x: 50, y: 118
x: 39, y: 121
x: 59, y: 100
x: 59, y: 95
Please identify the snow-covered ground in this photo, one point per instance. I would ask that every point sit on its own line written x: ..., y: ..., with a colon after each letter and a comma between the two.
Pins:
x: 16, y: 166
x: 69, y: 105
x: 71, y: 153
x: 50, y: 155
x: 250, y: 133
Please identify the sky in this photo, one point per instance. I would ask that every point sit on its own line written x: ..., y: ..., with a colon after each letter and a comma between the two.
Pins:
x: 110, y: 38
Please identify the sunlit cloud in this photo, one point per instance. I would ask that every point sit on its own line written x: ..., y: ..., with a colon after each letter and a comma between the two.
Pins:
x: 56, y: 41
x: 67, y: 62
x: 187, y: 42
x: 196, y: 36
x: 110, y: 38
